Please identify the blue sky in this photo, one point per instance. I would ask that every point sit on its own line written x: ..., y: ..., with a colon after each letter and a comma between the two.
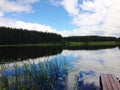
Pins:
x: 66, y: 17
x: 46, y: 13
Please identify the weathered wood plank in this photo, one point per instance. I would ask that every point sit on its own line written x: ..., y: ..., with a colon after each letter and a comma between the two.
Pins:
x: 116, y: 82
x: 104, y: 86
x: 113, y: 82
x: 109, y: 82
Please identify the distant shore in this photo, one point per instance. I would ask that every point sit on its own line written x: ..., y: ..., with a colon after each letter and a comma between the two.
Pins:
x: 106, y: 43
x: 11, y: 37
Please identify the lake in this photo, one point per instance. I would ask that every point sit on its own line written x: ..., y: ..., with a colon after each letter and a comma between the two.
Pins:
x: 84, y: 63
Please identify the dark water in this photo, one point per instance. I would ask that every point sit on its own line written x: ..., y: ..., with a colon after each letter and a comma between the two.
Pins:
x: 24, y: 53
x: 84, y: 63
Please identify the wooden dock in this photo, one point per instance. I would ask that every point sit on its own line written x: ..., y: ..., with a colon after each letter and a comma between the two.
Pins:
x: 109, y: 82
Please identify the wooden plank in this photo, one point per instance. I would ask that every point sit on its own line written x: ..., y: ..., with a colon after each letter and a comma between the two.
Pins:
x: 116, y: 82
x: 113, y: 82
x: 103, y: 83
x: 109, y: 82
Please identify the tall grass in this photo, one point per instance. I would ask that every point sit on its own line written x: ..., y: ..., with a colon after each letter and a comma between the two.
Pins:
x: 48, y: 75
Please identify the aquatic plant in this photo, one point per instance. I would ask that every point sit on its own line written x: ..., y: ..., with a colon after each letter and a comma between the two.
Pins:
x: 47, y: 75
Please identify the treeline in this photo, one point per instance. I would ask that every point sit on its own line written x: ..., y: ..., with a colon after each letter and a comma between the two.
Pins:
x: 9, y: 36
x: 90, y: 38
x: 20, y: 36
x: 118, y: 39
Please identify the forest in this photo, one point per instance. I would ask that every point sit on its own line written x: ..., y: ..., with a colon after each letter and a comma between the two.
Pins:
x: 19, y: 36
x: 11, y: 36
x: 90, y: 38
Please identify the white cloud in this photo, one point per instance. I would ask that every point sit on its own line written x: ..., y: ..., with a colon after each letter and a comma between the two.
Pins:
x: 31, y: 26
x: 16, y: 6
x: 71, y: 6
x: 45, y: 28
x: 100, y: 17
x: 1, y: 13
x: 93, y: 17
x: 87, y: 13
x: 92, y: 63
x: 54, y: 2
x: 27, y: 1
x: 25, y: 25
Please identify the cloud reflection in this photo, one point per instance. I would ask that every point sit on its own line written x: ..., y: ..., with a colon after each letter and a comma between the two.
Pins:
x: 86, y: 64
x: 100, y: 61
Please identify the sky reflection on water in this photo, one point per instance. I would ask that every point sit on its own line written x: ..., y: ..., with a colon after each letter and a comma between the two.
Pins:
x: 98, y: 61
x: 85, y: 66
x: 107, y: 60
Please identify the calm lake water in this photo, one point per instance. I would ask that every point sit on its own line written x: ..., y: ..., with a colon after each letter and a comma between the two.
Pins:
x: 84, y: 65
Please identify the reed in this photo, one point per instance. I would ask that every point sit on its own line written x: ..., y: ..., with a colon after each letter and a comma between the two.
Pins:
x: 47, y: 75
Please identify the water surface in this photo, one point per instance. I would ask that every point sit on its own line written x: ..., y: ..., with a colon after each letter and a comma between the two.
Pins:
x: 84, y: 64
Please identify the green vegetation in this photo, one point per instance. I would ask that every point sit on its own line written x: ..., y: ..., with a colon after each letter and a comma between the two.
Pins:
x: 9, y: 36
x: 107, y: 43
x: 90, y: 38
x: 18, y: 37
x: 75, y: 43
x: 25, y: 45
x: 104, y: 43
x: 48, y: 75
